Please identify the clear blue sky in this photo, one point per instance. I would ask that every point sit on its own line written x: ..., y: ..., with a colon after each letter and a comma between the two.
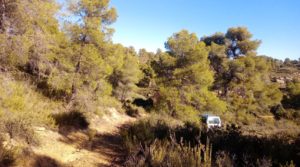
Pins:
x: 148, y: 23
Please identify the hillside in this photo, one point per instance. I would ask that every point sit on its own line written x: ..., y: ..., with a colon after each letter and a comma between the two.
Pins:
x: 70, y: 96
x: 52, y: 145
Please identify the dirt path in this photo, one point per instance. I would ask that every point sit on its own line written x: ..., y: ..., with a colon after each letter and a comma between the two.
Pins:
x: 77, y: 149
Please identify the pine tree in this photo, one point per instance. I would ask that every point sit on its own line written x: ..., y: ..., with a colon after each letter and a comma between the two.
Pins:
x: 242, y: 77
x: 185, y: 77
x: 28, y: 31
x: 125, y: 78
x: 90, y: 36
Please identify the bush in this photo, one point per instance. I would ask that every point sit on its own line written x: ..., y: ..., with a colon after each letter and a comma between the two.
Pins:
x: 157, y: 144
x: 7, y: 157
x: 288, y: 164
x: 145, y: 132
x: 18, y: 127
x: 132, y: 110
x: 73, y: 119
x: 21, y: 101
x: 274, y: 150
x: 278, y: 111
x: 223, y: 159
x: 190, y: 133
x: 167, y: 153
x: 45, y: 161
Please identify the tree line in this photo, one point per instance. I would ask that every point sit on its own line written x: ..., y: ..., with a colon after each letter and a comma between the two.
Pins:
x: 78, y: 63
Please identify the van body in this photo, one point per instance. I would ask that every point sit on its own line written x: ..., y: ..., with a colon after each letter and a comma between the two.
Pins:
x: 211, y: 121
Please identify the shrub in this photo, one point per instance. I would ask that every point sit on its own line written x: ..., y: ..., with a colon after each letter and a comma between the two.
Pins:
x: 288, y: 164
x: 190, y: 133
x: 18, y: 127
x: 278, y: 111
x: 73, y: 119
x: 245, y: 118
x: 157, y: 144
x: 132, y: 110
x: 278, y: 148
x: 139, y: 132
x: 7, y: 156
x: 45, y: 161
x: 167, y: 153
x: 18, y: 99
x: 223, y: 159
x: 145, y: 132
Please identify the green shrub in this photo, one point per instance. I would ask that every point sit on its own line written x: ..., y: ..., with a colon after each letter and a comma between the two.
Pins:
x: 20, y: 99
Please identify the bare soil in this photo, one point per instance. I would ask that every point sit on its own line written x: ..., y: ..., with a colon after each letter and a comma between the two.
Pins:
x: 77, y: 149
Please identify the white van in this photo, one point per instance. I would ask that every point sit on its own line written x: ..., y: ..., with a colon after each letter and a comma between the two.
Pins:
x: 211, y: 121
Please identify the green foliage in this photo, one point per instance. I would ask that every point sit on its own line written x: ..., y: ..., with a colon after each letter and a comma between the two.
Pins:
x: 81, y: 72
x: 240, y: 42
x: 185, y: 77
x: 181, y: 43
x: 148, y: 77
x: 250, y: 89
x: 146, y: 59
x: 18, y: 99
x: 22, y: 108
x: 125, y: 78
x: 237, y: 41
x: 244, y: 81
x: 26, y: 36
x: 294, y: 88
x: 88, y: 39
x: 291, y: 101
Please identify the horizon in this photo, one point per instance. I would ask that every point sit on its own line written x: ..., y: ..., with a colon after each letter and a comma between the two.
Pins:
x: 144, y: 24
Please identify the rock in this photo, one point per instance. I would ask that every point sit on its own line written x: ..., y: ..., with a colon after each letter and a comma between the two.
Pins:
x: 40, y: 128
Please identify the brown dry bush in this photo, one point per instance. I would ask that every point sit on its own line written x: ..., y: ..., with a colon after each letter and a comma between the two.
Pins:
x: 7, y: 156
x: 73, y: 119
x: 157, y: 144
x: 45, y: 161
x: 167, y: 153
x: 249, y: 150
x: 18, y: 127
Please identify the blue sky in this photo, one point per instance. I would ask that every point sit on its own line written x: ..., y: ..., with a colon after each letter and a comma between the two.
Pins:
x: 148, y: 23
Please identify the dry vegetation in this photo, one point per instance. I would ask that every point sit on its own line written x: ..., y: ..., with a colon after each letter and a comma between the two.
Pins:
x: 66, y: 91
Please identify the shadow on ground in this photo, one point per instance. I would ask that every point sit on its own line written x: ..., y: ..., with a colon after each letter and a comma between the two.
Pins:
x: 45, y: 161
x: 108, y: 145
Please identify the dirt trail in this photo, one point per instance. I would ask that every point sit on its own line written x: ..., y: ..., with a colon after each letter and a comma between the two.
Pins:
x: 77, y: 150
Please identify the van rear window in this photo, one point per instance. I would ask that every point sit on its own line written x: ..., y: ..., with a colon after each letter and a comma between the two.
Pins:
x: 214, y: 121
